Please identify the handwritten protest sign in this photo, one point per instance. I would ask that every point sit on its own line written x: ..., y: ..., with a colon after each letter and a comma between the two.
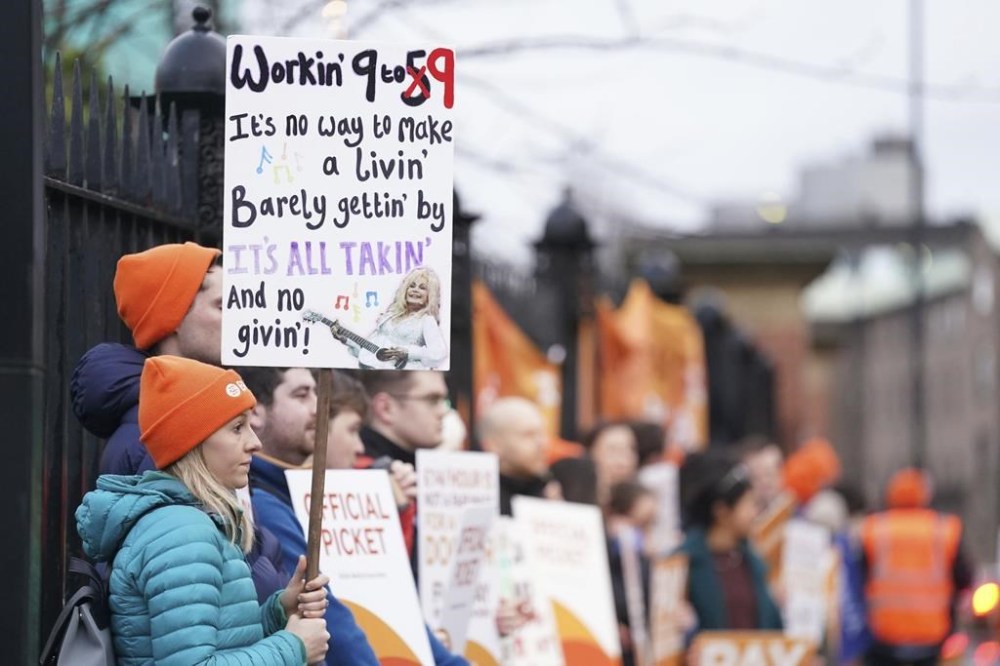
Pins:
x: 483, y: 646
x: 337, y: 204
x: 514, y: 599
x: 566, y: 545
x: 448, y: 483
x: 464, y: 574
x: 807, y: 561
x: 751, y: 648
x: 364, y: 554
x: 661, y: 478
x: 668, y: 586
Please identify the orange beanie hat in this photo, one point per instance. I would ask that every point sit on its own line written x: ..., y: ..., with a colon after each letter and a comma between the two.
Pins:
x: 811, y: 468
x: 182, y: 402
x: 154, y: 289
x: 908, y: 489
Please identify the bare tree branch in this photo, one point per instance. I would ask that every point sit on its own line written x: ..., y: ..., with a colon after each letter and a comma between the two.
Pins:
x: 834, y: 73
x: 580, y: 142
x: 358, y: 25
x: 102, y: 30
x: 627, y: 16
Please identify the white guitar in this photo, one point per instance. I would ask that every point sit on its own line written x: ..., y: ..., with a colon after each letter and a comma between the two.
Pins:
x: 370, y: 354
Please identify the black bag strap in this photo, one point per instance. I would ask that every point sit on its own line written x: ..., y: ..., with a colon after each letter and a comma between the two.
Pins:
x: 83, y: 595
x: 95, y: 591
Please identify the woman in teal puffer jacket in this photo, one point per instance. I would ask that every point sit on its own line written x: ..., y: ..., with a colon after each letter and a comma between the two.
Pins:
x: 180, y: 588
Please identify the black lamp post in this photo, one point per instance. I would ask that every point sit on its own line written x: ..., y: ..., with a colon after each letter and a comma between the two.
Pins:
x: 565, y: 272
x: 460, y: 375
x: 191, y: 76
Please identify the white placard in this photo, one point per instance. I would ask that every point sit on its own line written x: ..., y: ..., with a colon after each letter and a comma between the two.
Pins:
x: 661, y: 478
x: 337, y: 203
x: 668, y: 583
x: 243, y: 497
x: 483, y: 645
x: 533, y: 639
x: 363, y: 552
x: 750, y: 648
x: 807, y: 559
x: 448, y: 483
x: 464, y: 574
x: 629, y: 544
x: 569, y: 560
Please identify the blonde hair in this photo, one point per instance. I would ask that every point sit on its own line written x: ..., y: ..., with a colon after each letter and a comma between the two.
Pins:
x: 192, y: 471
x: 433, y: 306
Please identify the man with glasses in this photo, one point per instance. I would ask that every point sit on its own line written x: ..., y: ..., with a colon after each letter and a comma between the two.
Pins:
x: 407, y: 412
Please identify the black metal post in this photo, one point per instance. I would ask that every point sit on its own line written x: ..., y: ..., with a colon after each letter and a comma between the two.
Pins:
x: 460, y: 375
x: 565, y: 269
x: 191, y: 78
x: 21, y: 340
x: 917, y: 312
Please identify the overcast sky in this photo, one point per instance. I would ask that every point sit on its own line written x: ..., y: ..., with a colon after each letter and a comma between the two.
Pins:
x: 731, y: 103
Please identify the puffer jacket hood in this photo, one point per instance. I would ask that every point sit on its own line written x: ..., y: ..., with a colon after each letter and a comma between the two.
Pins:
x: 105, y: 385
x: 107, y: 514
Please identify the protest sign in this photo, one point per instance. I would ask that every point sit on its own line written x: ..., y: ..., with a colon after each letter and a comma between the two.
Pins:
x: 528, y: 636
x: 768, y: 533
x: 629, y: 542
x: 243, y: 497
x: 483, y: 645
x: 751, y: 648
x: 566, y: 545
x: 661, y: 478
x: 337, y: 204
x: 364, y: 554
x: 668, y: 588
x: 464, y: 574
x: 448, y: 482
x: 807, y: 561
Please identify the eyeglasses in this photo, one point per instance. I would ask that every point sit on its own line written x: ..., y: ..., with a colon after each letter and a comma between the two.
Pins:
x: 431, y: 401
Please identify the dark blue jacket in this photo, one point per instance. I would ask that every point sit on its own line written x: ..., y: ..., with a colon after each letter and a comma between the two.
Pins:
x: 272, y: 506
x: 105, y: 396
x: 105, y: 393
x: 705, y: 590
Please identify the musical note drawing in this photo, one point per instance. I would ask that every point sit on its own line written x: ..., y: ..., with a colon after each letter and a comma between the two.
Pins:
x: 371, y: 299
x: 284, y: 166
x: 264, y: 157
x: 278, y: 168
x: 343, y: 302
x: 356, y: 308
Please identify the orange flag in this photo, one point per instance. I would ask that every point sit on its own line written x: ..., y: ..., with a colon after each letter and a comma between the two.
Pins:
x: 507, y: 363
x: 652, y: 359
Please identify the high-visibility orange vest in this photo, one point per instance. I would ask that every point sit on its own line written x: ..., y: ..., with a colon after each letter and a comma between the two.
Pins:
x: 911, y: 554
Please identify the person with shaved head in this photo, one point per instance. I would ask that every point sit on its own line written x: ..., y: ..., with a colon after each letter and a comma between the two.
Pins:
x: 513, y: 428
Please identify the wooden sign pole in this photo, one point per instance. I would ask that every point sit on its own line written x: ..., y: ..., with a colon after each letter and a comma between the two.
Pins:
x: 324, y: 389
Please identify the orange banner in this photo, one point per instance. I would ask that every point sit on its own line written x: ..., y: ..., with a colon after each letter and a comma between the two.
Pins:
x: 507, y: 363
x: 652, y: 359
